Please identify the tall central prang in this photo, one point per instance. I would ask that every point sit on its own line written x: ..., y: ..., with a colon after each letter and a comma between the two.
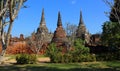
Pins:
x: 59, y: 35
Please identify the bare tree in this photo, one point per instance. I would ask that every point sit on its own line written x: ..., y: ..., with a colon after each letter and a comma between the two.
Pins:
x: 71, y: 31
x: 36, y: 41
x: 114, y: 5
x: 8, y: 12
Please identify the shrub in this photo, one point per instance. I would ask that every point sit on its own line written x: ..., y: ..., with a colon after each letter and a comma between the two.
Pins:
x: 82, y: 53
x: 90, y: 58
x: 79, y: 48
x: 108, y: 56
x: 26, y: 59
x: 57, y: 58
x: 79, y: 53
x: 54, y: 53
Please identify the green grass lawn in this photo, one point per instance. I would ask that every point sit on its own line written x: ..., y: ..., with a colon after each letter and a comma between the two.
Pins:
x: 84, y: 66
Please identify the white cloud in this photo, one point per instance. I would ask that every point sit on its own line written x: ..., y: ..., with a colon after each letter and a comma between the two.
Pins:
x: 73, y: 2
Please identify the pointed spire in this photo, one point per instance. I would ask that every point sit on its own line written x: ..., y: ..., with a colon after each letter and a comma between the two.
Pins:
x: 81, y: 19
x: 59, y: 23
x: 42, y: 22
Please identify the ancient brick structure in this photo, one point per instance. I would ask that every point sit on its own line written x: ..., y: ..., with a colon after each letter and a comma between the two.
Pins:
x: 19, y: 44
x: 42, y: 31
x: 17, y: 39
x: 82, y: 32
x: 22, y: 37
x: 59, y: 35
x: 96, y: 40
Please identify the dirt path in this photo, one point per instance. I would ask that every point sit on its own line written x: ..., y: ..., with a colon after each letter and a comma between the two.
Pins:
x: 43, y: 59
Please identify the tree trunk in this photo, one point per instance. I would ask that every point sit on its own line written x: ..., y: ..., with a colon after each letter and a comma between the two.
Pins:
x: 12, y: 12
x: 5, y: 42
x: 2, y: 54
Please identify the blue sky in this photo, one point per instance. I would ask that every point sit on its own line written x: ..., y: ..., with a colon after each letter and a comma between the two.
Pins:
x: 29, y: 18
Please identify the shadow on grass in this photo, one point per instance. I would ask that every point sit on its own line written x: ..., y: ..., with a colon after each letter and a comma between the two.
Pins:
x: 44, y: 68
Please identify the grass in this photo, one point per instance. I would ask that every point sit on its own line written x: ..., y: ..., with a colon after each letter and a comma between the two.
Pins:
x: 13, y: 56
x: 84, y: 66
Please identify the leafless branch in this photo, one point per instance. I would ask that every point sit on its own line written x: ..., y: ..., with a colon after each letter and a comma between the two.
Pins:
x: 8, y: 12
x: 5, y: 8
x: 110, y: 3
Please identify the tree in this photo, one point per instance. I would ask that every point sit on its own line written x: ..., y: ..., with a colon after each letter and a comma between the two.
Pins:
x: 71, y: 31
x: 8, y: 12
x: 114, y: 14
x: 36, y: 41
x: 115, y: 11
x: 111, y: 29
x: 111, y: 34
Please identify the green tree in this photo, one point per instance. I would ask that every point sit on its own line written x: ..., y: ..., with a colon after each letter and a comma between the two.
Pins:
x: 79, y: 47
x: 78, y: 53
x: 111, y: 29
x: 111, y: 34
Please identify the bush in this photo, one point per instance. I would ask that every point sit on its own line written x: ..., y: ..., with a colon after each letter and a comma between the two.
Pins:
x: 90, y: 58
x: 79, y: 53
x: 79, y: 48
x: 57, y: 58
x: 26, y: 59
x: 82, y: 53
x: 109, y: 56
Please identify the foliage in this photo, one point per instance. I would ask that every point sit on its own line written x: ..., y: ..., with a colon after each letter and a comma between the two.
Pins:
x: 78, y: 53
x: 81, y: 53
x: 18, y: 48
x: 26, y: 59
x: 54, y: 53
x: 110, y: 38
x: 111, y: 34
x: 80, y: 48
x: 111, y: 30
x: 109, y: 56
